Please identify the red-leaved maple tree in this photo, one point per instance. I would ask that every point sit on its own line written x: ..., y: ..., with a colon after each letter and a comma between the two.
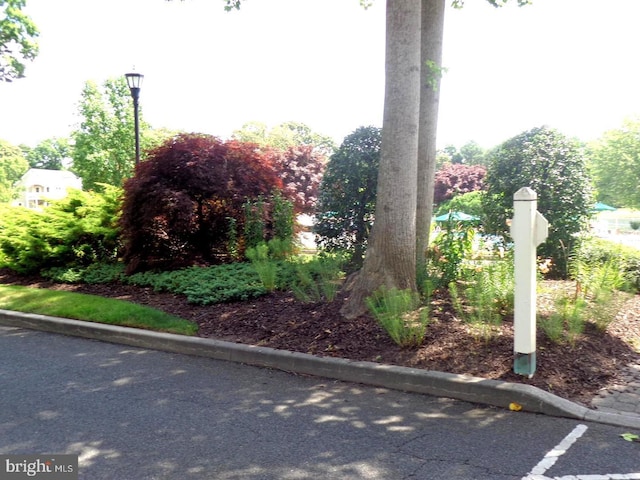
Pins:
x: 177, y: 208
x: 455, y: 179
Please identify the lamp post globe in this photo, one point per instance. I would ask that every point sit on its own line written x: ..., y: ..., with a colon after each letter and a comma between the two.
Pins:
x: 134, y: 81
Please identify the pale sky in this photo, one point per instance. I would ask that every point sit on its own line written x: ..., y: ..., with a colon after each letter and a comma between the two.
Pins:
x: 569, y: 64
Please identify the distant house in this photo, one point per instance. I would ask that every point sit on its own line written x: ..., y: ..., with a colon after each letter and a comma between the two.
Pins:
x: 38, y: 185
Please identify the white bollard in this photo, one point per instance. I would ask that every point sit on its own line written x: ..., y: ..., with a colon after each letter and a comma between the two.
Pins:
x: 528, y: 229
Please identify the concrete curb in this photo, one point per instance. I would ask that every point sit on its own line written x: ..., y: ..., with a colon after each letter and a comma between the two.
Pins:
x: 460, y: 387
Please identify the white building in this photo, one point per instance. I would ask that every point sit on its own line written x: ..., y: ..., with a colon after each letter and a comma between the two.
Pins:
x: 38, y: 185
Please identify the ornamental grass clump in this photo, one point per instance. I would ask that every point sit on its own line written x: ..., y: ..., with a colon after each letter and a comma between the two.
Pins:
x: 596, y: 298
x: 598, y: 284
x: 400, y: 314
x: 318, y: 279
x: 567, y: 322
x: 266, y: 267
x: 485, y: 296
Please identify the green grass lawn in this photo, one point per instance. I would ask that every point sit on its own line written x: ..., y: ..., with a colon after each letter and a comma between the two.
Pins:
x: 91, y: 308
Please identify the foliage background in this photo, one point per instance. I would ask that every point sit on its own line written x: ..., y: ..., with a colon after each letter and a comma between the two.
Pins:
x: 554, y: 167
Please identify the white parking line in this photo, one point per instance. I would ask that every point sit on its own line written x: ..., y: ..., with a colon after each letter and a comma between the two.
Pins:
x: 538, y: 472
x: 610, y: 476
x: 552, y: 457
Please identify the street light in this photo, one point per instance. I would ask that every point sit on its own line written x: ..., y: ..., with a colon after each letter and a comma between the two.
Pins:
x: 134, y: 80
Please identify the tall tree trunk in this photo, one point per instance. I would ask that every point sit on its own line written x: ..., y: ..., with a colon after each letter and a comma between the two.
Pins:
x: 391, y: 253
x: 431, y: 64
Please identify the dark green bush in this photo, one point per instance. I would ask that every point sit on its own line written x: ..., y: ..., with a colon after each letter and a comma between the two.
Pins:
x: 554, y: 167
x: 348, y: 195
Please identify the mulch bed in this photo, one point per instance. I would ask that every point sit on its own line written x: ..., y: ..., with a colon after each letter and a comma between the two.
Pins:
x: 280, y: 321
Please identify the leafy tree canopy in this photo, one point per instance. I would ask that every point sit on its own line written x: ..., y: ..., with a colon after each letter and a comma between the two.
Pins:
x: 104, y: 149
x: 51, y: 154
x: 284, y: 136
x: 235, y: 4
x: 300, y: 169
x: 12, y: 166
x: 469, y: 154
x: 469, y: 203
x: 17, y: 39
x: 614, y: 162
x: 455, y: 179
x: 555, y: 168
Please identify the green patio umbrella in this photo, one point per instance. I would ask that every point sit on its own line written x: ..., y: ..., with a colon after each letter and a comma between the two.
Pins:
x: 603, y: 207
x: 457, y: 216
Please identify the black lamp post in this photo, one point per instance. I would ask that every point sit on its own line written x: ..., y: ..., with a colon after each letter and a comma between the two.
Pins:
x: 134, y: 80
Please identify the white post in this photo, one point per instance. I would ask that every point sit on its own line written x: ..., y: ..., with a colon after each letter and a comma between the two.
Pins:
x: 528, y: 229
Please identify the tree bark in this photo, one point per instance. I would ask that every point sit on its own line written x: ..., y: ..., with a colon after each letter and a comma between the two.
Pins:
x: 432, y: 33
x: 390, y: 260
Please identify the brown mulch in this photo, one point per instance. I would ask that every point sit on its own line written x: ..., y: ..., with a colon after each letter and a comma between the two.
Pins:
x: 280, y: 321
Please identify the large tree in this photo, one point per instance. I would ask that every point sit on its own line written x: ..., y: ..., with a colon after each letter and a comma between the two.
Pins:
x: 456, y: 179
x: 614, y: 161
x: 104, y: 149
x: 51, y: 154
x: 284, y: 136
x: 17, y: 39
x: 469, y: 154
x: 397, y: 245
x: 12, y: 166
x: 390, y: 259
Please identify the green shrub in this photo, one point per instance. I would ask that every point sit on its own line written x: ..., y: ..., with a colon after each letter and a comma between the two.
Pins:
x: 399, y: 313
x: 347, y: 196
x: 233, y: 244
x: 553, y: 166
x: 599, y: 270
x: 448, y: 251
x: 599, y: 279
x: 605, y: 308
x: 278, y: 234
x: 71, y: 233
x: 553, y: 327
x: 283, y: 222
x: 63, y: 275
x: 280, y: 249
x: 103, y: 273
x: 94, y: 274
